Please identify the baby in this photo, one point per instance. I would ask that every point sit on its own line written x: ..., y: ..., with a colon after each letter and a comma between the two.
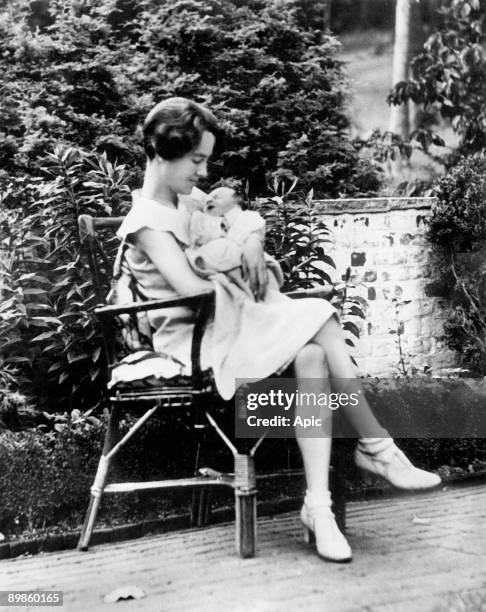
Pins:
x: 218, y: 233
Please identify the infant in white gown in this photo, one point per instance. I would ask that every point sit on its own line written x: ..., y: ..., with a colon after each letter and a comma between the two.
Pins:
x: 217, y: 235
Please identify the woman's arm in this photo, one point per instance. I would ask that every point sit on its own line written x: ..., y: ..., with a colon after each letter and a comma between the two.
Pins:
x: 169, y: 259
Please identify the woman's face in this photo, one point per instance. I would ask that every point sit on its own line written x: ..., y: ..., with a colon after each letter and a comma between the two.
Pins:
x: 182, y: 174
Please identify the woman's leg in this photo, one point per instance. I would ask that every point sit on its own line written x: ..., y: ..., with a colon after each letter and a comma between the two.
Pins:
x: 344, y: 380
x: 376, y: 452
x: 315, y: 445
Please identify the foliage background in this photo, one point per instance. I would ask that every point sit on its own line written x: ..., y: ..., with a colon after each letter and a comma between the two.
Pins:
x: 449, y: 75
x: 89, y: 72
x: 75, y: 81
x: 458, y: 232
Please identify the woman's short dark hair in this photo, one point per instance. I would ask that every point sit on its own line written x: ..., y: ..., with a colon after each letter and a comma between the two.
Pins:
x: 175, y: 126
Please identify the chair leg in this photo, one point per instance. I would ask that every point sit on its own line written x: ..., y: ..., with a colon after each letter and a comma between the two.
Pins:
x: 201, y: 507
x: 245, y: 506
x: 201, y: 497
x: 99, y: 481
x: 338, y: 484
x: 245, y: 516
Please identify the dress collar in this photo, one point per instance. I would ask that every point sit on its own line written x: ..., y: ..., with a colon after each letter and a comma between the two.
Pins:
x: 138, y: 198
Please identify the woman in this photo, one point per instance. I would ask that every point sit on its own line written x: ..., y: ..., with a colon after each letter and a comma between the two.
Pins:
x: 179, y: 137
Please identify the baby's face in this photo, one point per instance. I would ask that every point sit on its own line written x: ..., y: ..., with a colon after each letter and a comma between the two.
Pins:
x: 219, y: 201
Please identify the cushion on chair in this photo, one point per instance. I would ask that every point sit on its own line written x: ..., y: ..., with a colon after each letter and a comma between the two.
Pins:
x: 147, y: 369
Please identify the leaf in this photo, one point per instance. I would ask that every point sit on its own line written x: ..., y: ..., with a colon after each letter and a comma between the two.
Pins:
x: 47, y: 319
x: 11, y: 342
x: 420, y: 521
x: 54, y: 346
x: 39, y: 307
x: 438, y: 141
x: 354, y: 310
x: 17, y: 360
x: 63, y: 377
x: 44, y: 336
x: 34, y: 291
x: 73, y: 358
x: 351, y: 327
x: 34, y: 276
x: 123, y: 593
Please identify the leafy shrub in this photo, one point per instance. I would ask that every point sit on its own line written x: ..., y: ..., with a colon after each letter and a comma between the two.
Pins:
x: 295, y: 236
x: 91, y: 70
x: 45, y: 328
x: 448, y: 75
x: 44, y: 477
x: 46, y: 474
x: 458, y: 221
x: 15, y: 410
x: 458, y: 229
x: 76, y: 78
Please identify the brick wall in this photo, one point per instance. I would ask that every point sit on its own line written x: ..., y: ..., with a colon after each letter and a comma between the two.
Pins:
x: 383, y: 242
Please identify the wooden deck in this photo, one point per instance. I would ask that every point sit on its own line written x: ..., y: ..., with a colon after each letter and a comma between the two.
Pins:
x: 423, y: 553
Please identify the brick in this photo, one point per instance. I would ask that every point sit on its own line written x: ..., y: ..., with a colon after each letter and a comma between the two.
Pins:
x: 392, y: 245
x: 358, y: 258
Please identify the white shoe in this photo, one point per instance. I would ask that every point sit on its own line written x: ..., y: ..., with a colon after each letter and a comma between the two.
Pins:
x: 320, y: 527
x: 393, y: 465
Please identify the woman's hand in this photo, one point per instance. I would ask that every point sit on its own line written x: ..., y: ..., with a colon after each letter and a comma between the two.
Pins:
x: 254, y: 268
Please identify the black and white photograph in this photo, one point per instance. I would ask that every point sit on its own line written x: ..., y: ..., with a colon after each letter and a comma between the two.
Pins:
x: 243, y: 305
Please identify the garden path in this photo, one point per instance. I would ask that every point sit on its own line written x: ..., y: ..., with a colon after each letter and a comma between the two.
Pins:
x: 424, y: 552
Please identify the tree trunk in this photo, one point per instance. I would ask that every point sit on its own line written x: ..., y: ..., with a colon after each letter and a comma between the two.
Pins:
x: 399, y: 115
x: 364, y: 13
x: 326, y: 15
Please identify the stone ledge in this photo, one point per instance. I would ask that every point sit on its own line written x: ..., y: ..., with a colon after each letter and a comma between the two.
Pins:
x: 371, y: 205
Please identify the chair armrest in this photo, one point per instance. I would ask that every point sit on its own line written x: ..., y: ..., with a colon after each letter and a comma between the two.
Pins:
x: 202, y: 303
x: 191, y: 299
x: 326, y: 293
x: 89, y: 225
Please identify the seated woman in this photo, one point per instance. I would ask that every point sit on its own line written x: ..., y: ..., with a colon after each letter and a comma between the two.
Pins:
x: 269, y: 333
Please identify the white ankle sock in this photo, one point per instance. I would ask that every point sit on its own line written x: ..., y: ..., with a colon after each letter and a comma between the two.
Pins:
x: 317, y: 497
x: 373, y: 446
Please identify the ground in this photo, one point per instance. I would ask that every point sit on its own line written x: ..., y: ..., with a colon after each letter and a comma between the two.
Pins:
x: 422, y: 553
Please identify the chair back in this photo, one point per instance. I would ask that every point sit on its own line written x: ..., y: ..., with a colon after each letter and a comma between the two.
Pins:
x: 91, y: 240
x: 94, y: 233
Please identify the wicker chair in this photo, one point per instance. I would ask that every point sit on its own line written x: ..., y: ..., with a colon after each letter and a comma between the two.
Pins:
x: 196, y: 392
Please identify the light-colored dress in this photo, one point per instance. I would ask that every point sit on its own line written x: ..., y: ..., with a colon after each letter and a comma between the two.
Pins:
x: 247, y: 339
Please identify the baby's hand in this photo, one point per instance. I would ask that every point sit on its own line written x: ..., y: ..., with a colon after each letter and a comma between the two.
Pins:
x: 254, y: 268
